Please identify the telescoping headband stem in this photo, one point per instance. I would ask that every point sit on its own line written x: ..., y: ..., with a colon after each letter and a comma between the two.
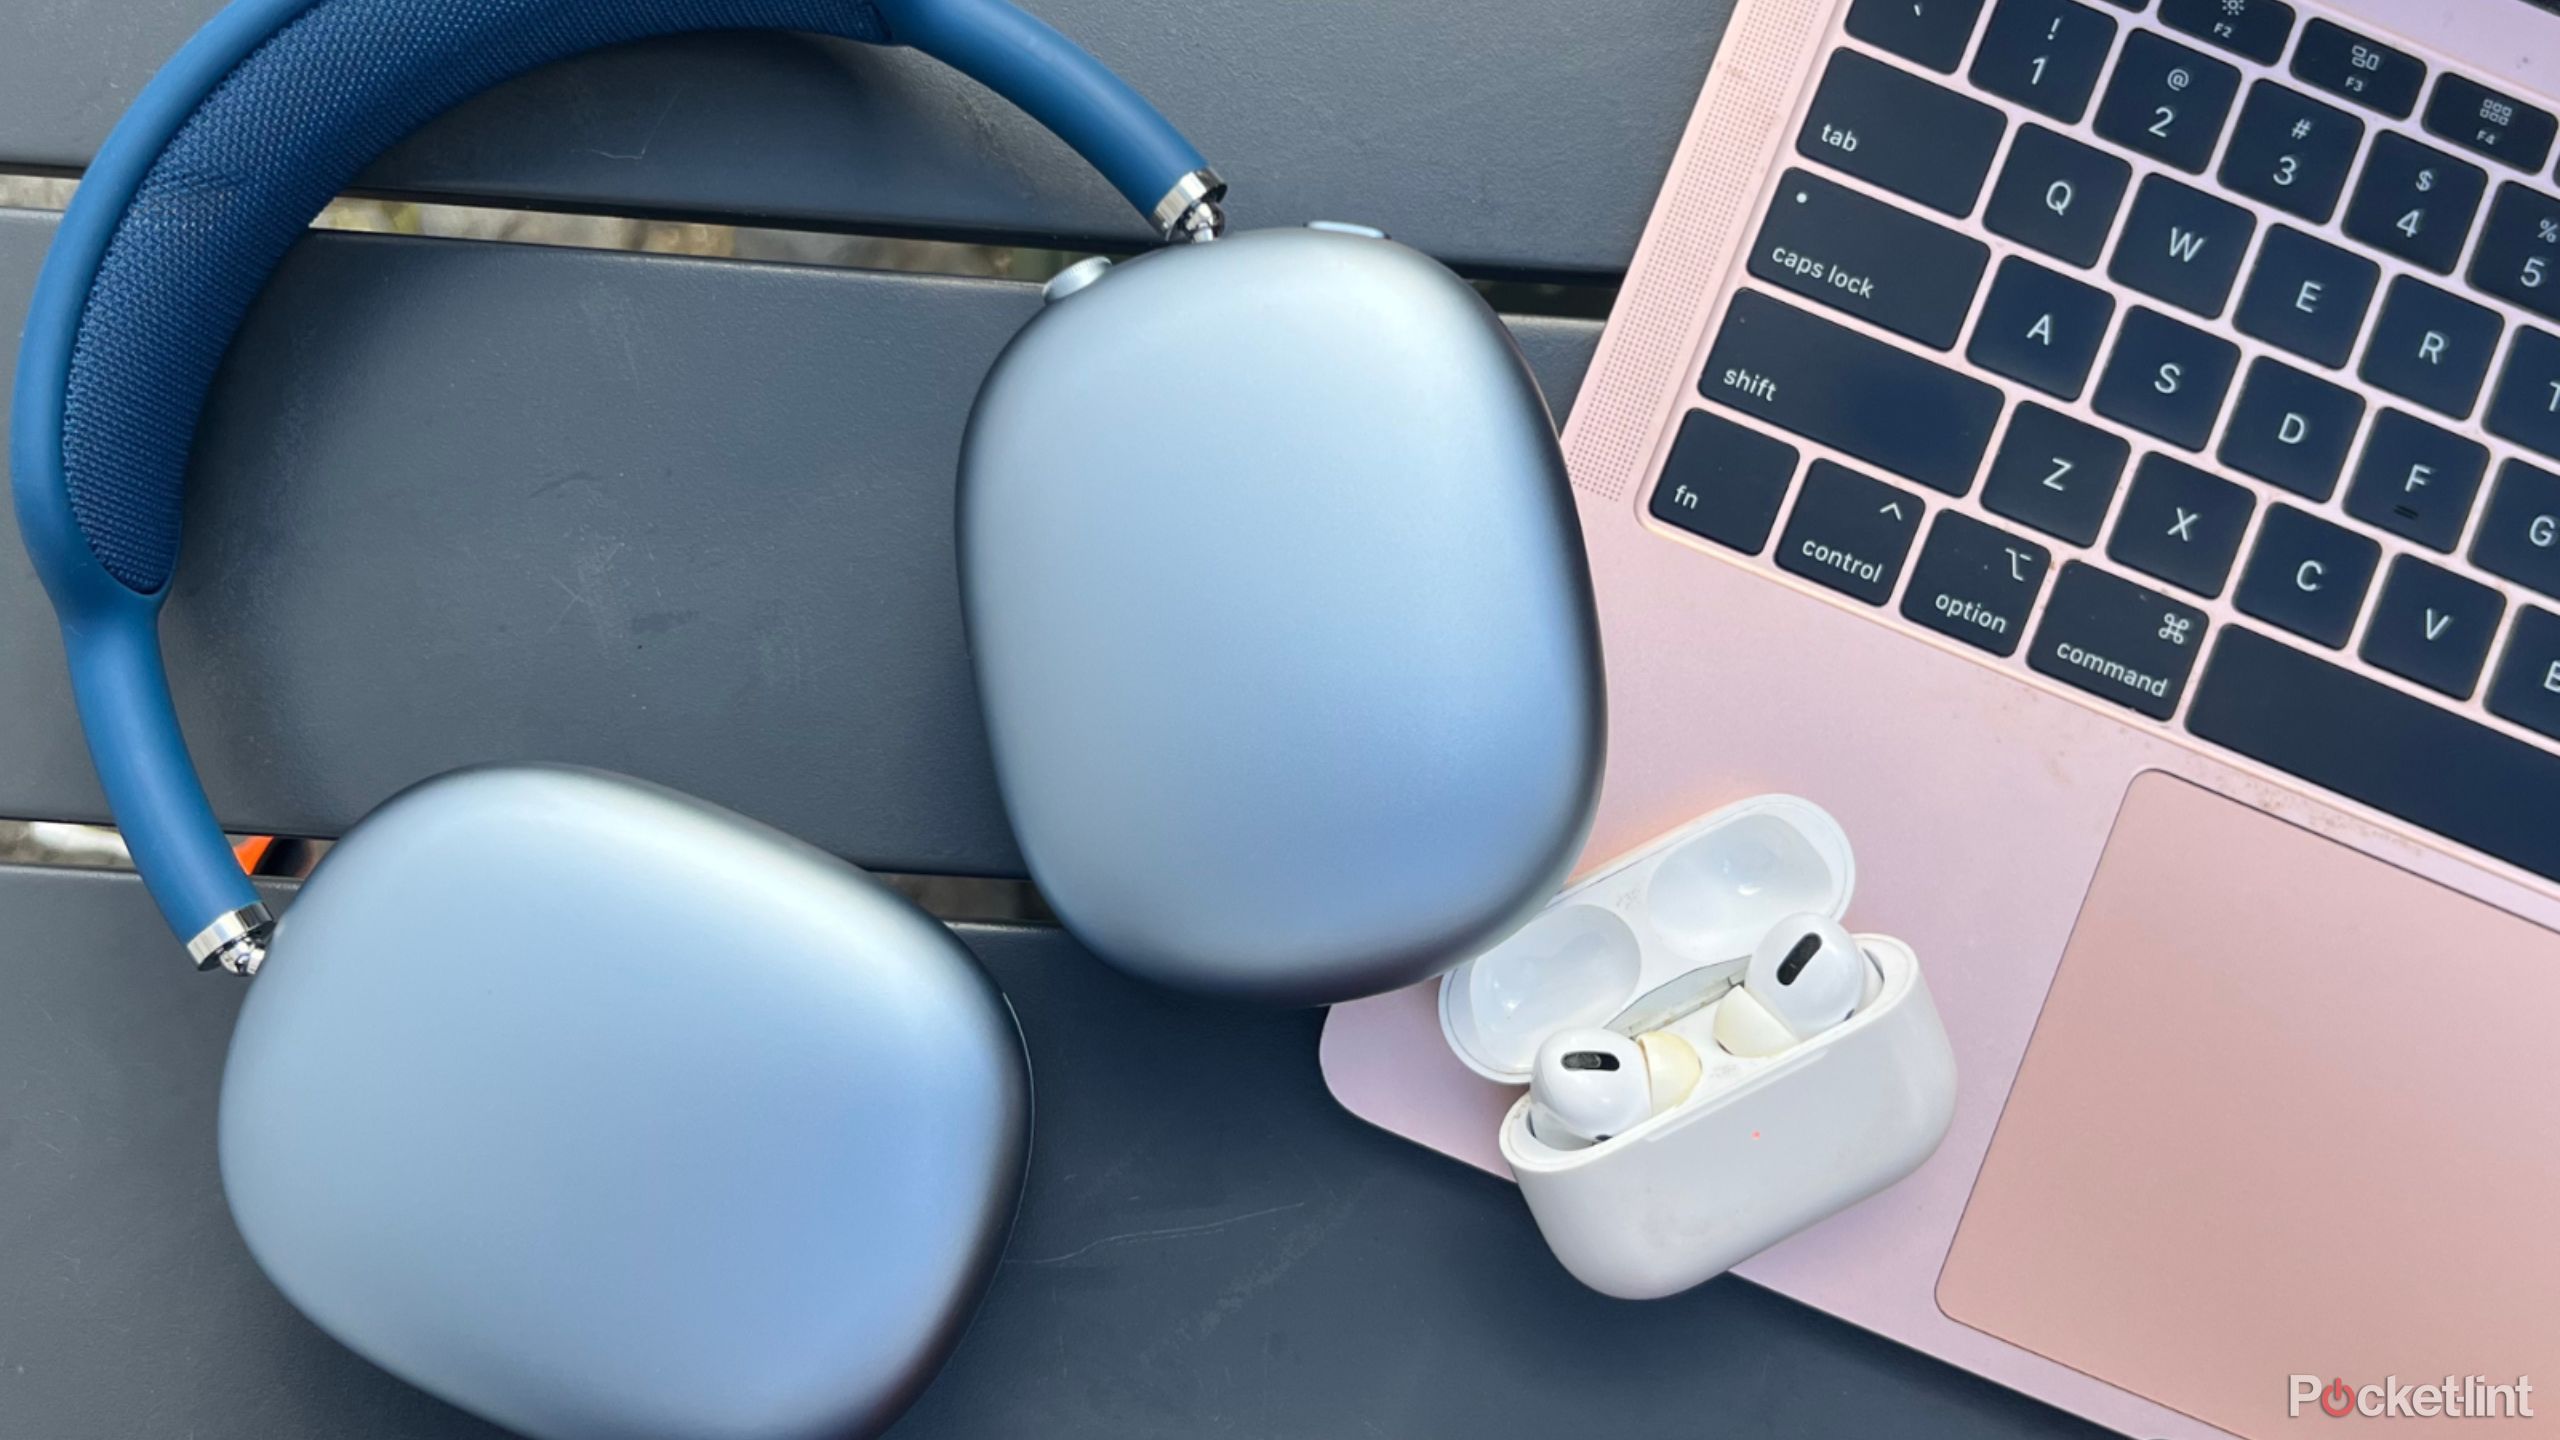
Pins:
x: 216, y: 170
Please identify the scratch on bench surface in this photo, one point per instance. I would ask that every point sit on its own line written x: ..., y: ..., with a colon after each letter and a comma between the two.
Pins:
x: 1169, y: 1233
x: 654, y: 127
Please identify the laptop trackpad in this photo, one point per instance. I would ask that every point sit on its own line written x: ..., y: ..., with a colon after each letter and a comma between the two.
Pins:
x: 2288, y: 1111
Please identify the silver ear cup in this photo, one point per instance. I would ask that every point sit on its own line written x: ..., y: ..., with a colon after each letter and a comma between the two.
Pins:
x: 597, y: 1110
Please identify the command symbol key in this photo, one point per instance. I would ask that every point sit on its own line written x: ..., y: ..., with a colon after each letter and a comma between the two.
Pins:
x: 2118, y: 640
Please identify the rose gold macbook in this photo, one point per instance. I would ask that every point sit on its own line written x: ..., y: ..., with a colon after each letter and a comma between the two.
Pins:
x: 2109, y: 455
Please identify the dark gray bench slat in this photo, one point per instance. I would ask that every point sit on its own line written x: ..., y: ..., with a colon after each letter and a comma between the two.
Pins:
x: 1208, y: 1246
x: 1498, y: 133
x: 459, y: 502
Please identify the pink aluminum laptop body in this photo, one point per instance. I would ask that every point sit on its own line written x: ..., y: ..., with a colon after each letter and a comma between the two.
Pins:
x: 2260, y: 1091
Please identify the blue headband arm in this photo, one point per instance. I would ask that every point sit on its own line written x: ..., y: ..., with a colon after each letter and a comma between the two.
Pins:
x: 207, y: 181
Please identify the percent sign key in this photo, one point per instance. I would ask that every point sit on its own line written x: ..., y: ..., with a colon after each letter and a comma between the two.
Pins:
x: 2519, y: 255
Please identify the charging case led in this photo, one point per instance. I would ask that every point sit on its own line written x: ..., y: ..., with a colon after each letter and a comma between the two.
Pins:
x: 1763, y: 1147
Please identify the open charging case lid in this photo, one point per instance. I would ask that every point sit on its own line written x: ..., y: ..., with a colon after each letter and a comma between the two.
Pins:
x: 1638, y: 934
x: 1763, y: 1146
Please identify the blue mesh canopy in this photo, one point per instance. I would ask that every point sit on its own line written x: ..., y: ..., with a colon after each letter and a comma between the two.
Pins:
x: 293, y: 125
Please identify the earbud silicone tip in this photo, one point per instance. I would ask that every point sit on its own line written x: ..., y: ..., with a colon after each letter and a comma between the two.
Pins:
x: 1671, y: 1067
x: 1745, y: 1027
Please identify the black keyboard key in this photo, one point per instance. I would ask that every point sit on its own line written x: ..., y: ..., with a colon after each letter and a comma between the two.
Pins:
x: 1924, y: 32
x: 2291, y: 151
x: 1891, y: 128
x: 2181, y: 525
x: 2255, y: 28
x: 2525, y: 687
x: 1868, y: 399
x: 2291, y: 429
x: 2040, y: 327
x: 2166, y: 378
x: 2182, y: 245
x: 2057, y: 195
x: 1724, y: 481
x: 2432, y: 626
x: 1882, y: 264
x: 2381, y: 747
x: 2167, y: 101
x: 2307, y: 575
x: 2055, y: 473
x: 2044, y: 54
x: 2431, y: 346
x: 2525, y: 406
x: 2117, y: 640
x: 1849, y: 532
x: 2348, y: 65
x: 2485, y: 122
x: 2307, y: 295
x: 2519, y: 534
x: 2415, y: 202
x: 2416, y: 480
x: 1976, y: 582
x: 2518, y: 257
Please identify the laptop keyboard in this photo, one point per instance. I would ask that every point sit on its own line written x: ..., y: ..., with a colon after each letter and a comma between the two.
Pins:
x: 2249, y: 412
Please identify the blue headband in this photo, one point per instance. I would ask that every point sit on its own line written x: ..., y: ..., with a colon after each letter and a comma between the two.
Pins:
x: 212, y: 176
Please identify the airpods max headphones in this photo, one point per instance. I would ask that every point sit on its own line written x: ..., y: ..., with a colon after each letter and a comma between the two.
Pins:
x: 599, y: 1111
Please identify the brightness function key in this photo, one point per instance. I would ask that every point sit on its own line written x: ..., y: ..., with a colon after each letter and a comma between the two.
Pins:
x: 2255, y: 28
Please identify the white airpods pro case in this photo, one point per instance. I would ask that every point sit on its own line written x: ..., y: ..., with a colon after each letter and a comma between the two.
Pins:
x: 1763, y: 1147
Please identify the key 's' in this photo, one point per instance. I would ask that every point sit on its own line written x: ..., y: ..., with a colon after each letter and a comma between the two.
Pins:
x: 1888, y: 266
x: 1891, y: 128
x: 1823, y: 381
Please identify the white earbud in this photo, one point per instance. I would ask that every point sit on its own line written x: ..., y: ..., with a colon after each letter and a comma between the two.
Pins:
x: 1807, y: 975
x: 1591, y: 1084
